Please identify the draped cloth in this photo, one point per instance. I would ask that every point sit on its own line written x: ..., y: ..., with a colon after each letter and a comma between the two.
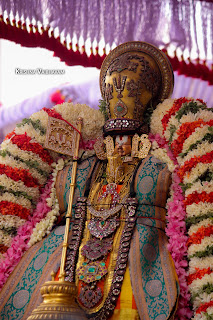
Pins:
x: 83, y: 32
x: 182, y: 24
x: 152, y: 272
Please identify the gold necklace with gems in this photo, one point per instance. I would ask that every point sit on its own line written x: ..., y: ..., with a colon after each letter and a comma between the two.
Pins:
x: 106, y: 216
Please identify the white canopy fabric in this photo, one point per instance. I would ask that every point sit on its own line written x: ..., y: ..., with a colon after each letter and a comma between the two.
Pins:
x: 183, y: 24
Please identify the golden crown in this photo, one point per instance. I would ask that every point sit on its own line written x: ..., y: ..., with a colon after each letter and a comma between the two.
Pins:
x: 132, y: 76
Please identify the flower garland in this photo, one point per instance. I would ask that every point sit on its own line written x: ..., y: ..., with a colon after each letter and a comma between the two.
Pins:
x: 20, y: 243
x: 185, y: 127
x: 28, y: 204
x: 176, y: 227
x: 44, y: 226
x: 188, y: 207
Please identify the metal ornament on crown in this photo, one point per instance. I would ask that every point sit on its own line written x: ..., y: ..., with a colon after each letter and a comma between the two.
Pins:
x: 133, y: 76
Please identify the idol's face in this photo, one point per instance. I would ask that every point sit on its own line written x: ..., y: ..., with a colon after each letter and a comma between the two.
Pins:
x: 123, y: 145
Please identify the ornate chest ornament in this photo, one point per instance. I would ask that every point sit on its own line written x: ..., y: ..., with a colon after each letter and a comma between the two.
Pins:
x: 105, y: 214
x: 111, y: 189
x: 103, y: 228
x: 90, y: 295
x: 109, y: 305
x: 96, y: 248
x: 92, y: 271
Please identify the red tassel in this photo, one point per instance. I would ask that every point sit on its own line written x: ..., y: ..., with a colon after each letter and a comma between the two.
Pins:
x: 83, y: 57
x: 10, y: 35
x: 174, y: 62
x: 210, y: 82
x: 62, y: 51
x: 191, y: 72
x: 70, y: 55
x: 198, y: 68
x: 74, y: 57
x: 26, y: 39
x: 91, y: 58
x: 205, y: 71
x: 182, y: 67
x: 98, y: 59
x: 43, y: 39
x: 57, y: 46
x: 104, y: 54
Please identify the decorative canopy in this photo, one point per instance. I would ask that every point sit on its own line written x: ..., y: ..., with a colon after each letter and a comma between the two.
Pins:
x: 70, y: 27
x: 83, y: 32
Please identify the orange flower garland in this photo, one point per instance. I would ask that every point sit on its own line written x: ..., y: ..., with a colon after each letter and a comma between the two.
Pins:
x: 25, y: 171
x: 185, y: 130
x: 198, y: 275
x: 196, y: 197
x: 201, y: 233
x: 24, y: 143
x: 204, y: 307
x: 183, y: 120
x: 176, y: 106
x: 19, y: 174
x: 190, y: 164
x: 10, y: 208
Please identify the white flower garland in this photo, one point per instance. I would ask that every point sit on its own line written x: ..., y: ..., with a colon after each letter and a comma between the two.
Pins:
x: 31, y: 132
x: 18, y: 186
x: 198, y: 283
x: 198, y: 209
x: 197, y: 135
x: 45, y: 225
x: 7, y: 160
x: 205, y: 242
x: 199, y: 187
x: 10, y: 221
x: 201, y: 149
x: 6, y: 196
x: 162, y: 155
x: 25, y: 155
x: 197, y: 171
x: 162, y: 108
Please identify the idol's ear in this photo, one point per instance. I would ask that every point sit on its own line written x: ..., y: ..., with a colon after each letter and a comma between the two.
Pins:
x: 145, y: 146
x: 100, y: 148
x: 110, y: 146
x: 135, y: 142
x: 140, y: 146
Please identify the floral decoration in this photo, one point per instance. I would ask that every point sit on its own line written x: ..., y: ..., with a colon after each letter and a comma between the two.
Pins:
x: 28, y: 203
x: 182, y: 128
x: 181, y: 135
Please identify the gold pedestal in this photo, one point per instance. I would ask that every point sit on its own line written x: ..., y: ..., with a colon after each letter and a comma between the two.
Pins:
x: 58, y: 302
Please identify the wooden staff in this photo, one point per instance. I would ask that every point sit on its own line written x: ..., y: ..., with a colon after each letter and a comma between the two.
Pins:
x: 69, y: 211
